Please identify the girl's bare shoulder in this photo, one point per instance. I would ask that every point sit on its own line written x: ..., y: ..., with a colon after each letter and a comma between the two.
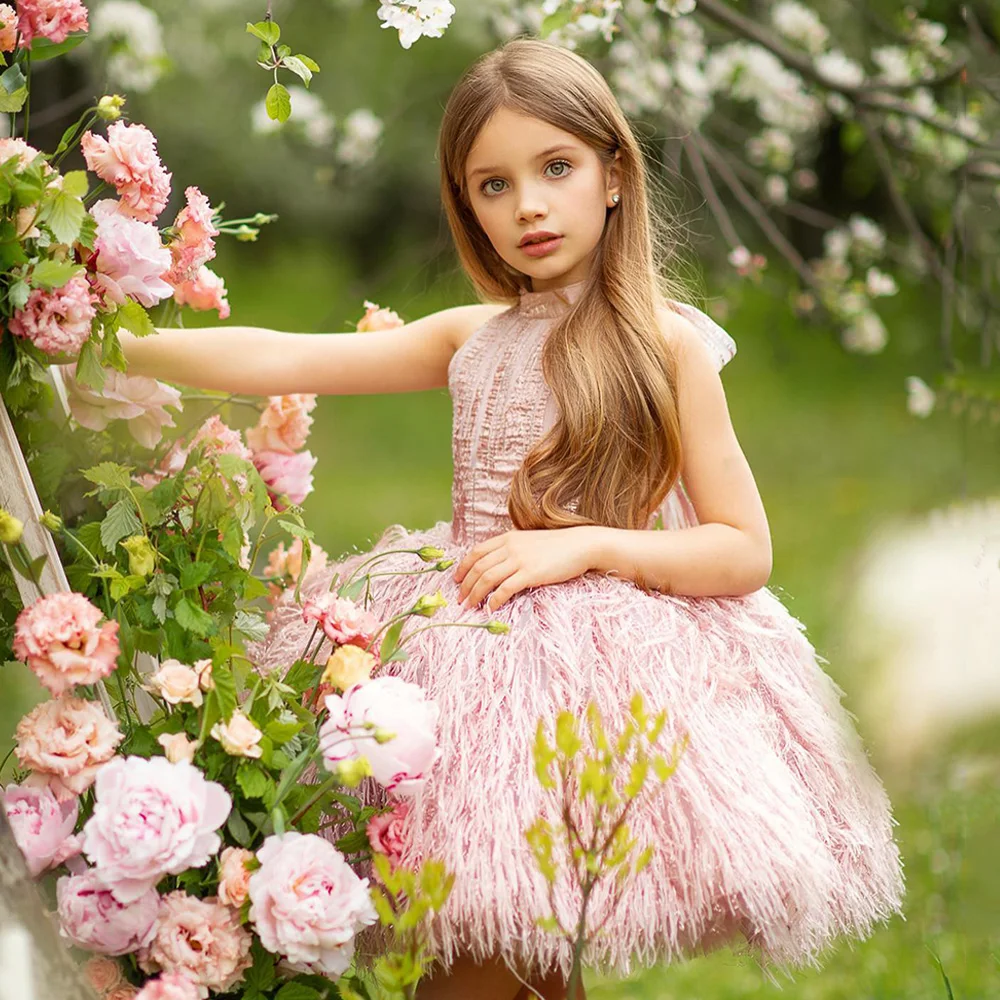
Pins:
x: 468, y: 319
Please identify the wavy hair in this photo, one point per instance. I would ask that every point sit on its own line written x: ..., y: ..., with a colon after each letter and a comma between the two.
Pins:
x: 614, y: 452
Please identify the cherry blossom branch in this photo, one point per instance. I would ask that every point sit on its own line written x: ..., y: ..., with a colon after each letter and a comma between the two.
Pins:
x: 711, y: 195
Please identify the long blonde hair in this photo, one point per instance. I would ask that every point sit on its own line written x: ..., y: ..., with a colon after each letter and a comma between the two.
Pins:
x: 615, y: 451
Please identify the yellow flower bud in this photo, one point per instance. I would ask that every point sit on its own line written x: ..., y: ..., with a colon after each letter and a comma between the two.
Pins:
x: 10, y: 528
x: 427, y: 604
x: 352, y: 771
x: 51, y: 522
x: 110, y: 107
x: 348, y: 665
x: 497, y: 627
x: 141, y: 558
x: 429, y: 553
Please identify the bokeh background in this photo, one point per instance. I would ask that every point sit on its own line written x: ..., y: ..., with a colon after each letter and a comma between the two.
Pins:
x: 840, y: 463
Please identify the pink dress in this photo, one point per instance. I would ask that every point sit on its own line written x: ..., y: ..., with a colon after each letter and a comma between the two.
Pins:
x: 774, y: 833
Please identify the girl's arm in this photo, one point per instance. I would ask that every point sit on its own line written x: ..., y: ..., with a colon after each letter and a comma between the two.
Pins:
x: 261, y: 362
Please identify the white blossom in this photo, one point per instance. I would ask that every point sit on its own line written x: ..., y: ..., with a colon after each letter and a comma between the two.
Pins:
x: 894, y: 64
x: 676, y: 8
x: 867, y: 235
x: 866, y: 335
x: 137, y: 58
x: 362, y: 131
x: 839, y: 70
x: 880, y: 284
x: 776, y: 189
x: 920, y: 397
x: 773, y: 148
x: 415, y: 19
x: 801, y: 25
x: 687, y: 40
x: 837, y: 243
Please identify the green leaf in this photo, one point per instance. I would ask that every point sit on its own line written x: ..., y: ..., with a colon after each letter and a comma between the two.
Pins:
x: 390, y: 640
x: 237, y: 826
x: 120, y: 522
x: 18, y: 293
x: 110, y: 475
x: 225, y: 689
x: 89, y: 372
x: 266, y: 31
x: 278, y: 103
x: 64, y: 216
x: 297, y: 991
x: 299, y: 68
x: 259, y: 978
x: 282, y: 732
x: 253, y: 780
x: 50, y: 274
x: 135, y: 319
x: 13, y: 102
x: 112, y: 354
x: 302, y: 675
x: 75, y: 182
x: 252, y: 626
x: 295, y: 529
x: 42, y: 48
x: 310, y: 63
x: 193, y: 619
x: 195, y: 574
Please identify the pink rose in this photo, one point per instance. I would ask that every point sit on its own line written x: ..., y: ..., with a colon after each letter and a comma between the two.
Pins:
x: 194, y: 245
x: 42, y: 825
x: 51, y: 19
x: 13, y: 146
x: 286, y: 475
x: 65, y: 742
x: 307, y: 903
x: 200, y: 939
x: 233, y: 875
x: 169, y: 986
x: 284, y: 424
x: 103, y: 974
x: 205, y: 291
x: 57, y: 321
x: 176, y: 746
x: 176, y: 683
x: 129, y: 257
x: 91, y: 917
x: 239, y: 736
x: 60, y: 639
x: 152, y: 818
x: 341, y: 620
x: 402, y: 763
x: 128, y: 159
x: 377, y: 318
x: 134, y: 398
x: 385, y: 832
x: 8, y: 33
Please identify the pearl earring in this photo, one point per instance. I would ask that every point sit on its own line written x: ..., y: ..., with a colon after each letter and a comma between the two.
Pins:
x: 616, y: 198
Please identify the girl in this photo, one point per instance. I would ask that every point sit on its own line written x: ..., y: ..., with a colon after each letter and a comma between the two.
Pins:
x: 586, y: 402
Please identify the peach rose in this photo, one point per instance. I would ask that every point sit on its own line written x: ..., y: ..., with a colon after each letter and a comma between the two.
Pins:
x: 377, y: 318
x: 103, y: 973
x: 65, y: 742
x: 203, y: 668
x: 60, y: 639
x: 200, y: 939
x: 284, y: 424
x: 233, y: 875
x: 348, y: 665
x: 239, y: 736
x: 177, y: 746
x: 176, y: 683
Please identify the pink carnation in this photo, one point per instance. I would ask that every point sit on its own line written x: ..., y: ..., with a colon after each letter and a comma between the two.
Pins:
x: 8, y: 33
x: 307, y: 903
x: 57, y: 321
x: 65, y: 742
x: 60, y: 639
x: 385, y: 832
x: 288, y: 475
x: 128, y: 159
x: 205, y: 291
x: 129, y: 257
x: 194, y: 245
x: 139, y: 400
x: 42, y: 825
x: 152, y: 818
x: 51, y: 19
x: 169, y: 986
x: 200, y: 939
x: 91, y: 917
x: 341, y: 619
x: 377, y: 318
x: 284, y: 424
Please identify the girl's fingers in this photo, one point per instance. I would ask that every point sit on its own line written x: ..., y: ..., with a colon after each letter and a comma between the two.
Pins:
x: 514, y: 583
x: 477, y: 569
x: 489, y: 580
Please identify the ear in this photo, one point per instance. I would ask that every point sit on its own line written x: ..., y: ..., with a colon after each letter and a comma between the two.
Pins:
x: 613, y: 177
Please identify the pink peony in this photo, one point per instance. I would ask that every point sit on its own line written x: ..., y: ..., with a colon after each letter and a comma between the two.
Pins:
x: 128, y: 159
x: 402, y: 763
x: 286, y: 475
x: 51, y: 19
x: 91, y: 917
x: 200, y: 939
x: 284, y: 424
x: 233, y: 875
x: 65, y: 742
x: 134, y: 398
x: 103, y: 974
x: 194, y: 245
x: 341, y: 619
x: 169, y: 986
x: 206, y: 290
x: 152, y: 818
x: 129, y: 257
x: 42, y: 825
x: 385, y: 832
x: 8, y: 33
x: 307, y: 903
x: 57, y: 321
x: 377, y: 318
x: 59, y: 638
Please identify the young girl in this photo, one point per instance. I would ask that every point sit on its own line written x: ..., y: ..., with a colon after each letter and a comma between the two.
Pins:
x: 586, y: 402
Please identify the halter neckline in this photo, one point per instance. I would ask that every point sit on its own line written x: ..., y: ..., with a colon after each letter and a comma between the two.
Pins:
x: 551, y: 301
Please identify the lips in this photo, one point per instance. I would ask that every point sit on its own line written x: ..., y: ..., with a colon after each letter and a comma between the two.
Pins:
x: 539, y: 236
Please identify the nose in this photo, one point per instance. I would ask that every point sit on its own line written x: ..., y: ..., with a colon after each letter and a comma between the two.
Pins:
x: 530, y: 204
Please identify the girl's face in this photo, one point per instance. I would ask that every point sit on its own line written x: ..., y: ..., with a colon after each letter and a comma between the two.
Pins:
x: 525, y: 176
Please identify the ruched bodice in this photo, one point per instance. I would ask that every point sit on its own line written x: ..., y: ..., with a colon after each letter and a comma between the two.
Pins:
x: 503, y: 406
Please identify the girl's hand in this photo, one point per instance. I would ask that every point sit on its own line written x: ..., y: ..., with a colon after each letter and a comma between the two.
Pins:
x: 507, y: 563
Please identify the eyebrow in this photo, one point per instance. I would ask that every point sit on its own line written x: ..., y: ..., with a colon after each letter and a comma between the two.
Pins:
x: 543, y: 153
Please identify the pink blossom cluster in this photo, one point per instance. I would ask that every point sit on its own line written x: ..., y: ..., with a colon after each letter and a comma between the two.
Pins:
x: 217, y: 437
x: 61, y: 640
x: 341, y: 619
x: 281, y: 430
x: 57, y: 321
x: 377, y: 318
x: 127, y: 158
x: 283, y: 568
x: 53, y: 20
x: 206, y: 290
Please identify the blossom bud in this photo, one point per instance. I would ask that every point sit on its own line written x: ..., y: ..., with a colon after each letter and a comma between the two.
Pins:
x: 51, y: 522
x: 429, y: 553
x: 352, y: 771
x: 427, y: 604
x: 444, y: 564
x: 109, y: 107
x: 384, y: 735
x: 10, y: 528
x: 497, y: 627
x: 141, y: 558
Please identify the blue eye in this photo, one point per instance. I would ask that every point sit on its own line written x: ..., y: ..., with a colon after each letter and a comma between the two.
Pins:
x: 488, y: 191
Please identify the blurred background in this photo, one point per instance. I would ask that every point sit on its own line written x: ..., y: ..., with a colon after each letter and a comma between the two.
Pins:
x: 885, y: 526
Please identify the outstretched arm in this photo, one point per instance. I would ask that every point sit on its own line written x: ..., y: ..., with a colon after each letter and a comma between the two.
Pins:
x: 262, y: 362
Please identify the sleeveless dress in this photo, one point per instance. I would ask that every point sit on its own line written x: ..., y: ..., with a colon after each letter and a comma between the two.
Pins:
x: 774, y: 835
